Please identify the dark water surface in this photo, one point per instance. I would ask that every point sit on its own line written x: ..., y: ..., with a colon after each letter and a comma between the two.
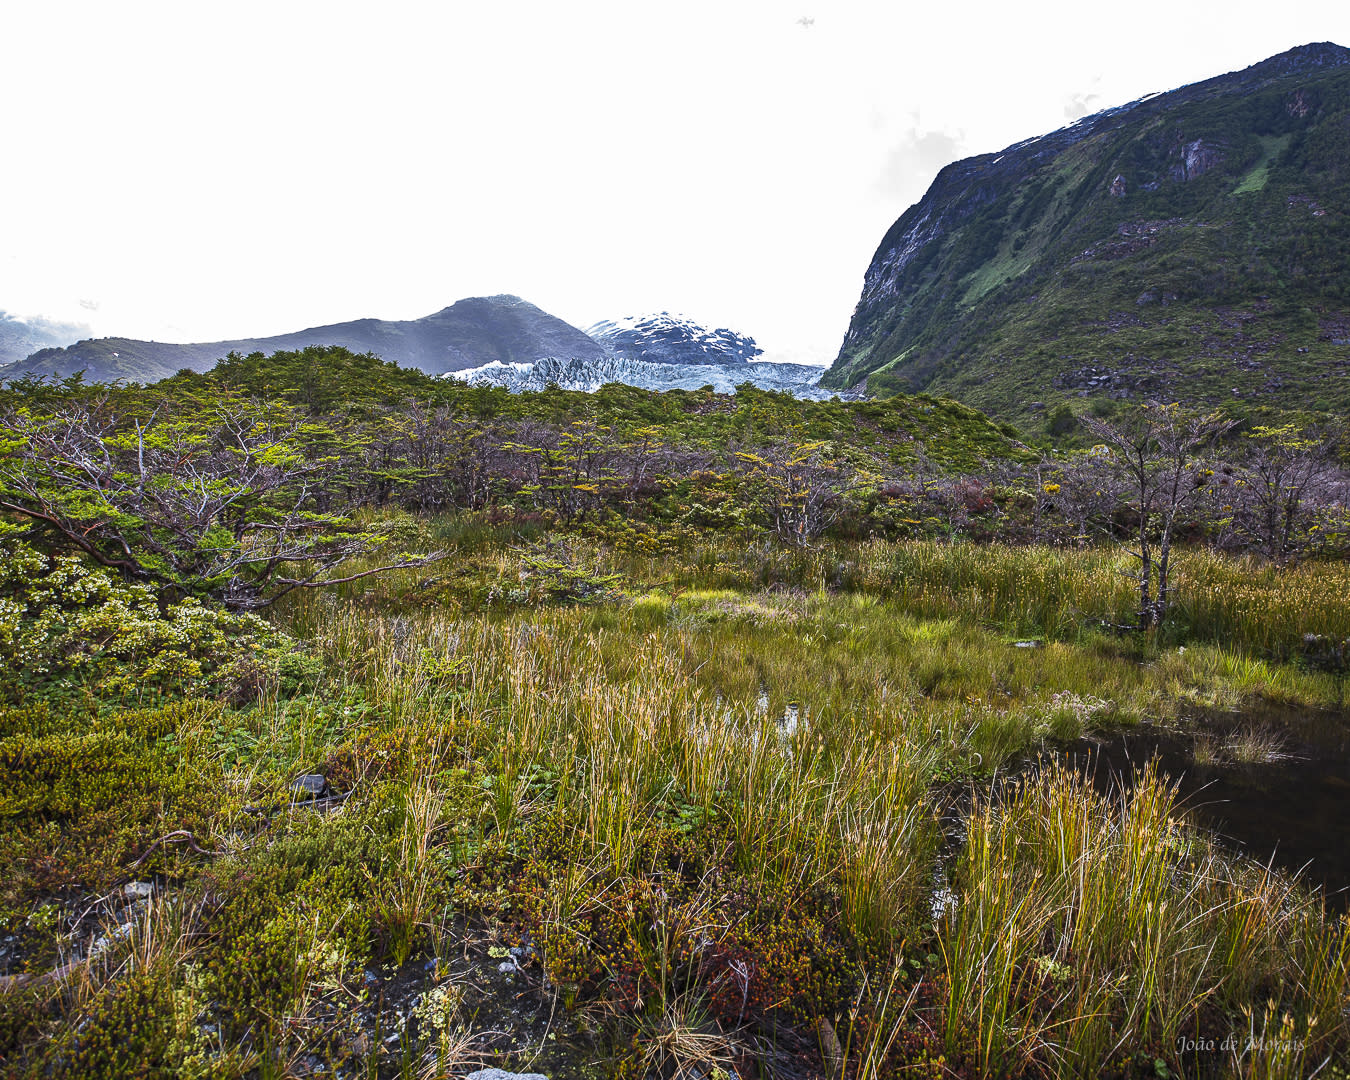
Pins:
x: 1294, y: 811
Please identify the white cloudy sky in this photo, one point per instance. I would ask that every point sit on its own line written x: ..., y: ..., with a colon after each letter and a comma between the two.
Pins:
x: 199, y: 171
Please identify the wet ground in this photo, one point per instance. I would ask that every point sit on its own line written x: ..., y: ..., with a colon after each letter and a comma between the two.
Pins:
x: 1292, y: 808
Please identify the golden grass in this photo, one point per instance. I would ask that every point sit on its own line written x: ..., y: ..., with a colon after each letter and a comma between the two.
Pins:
x: 1091, y: 926
x: 1087, y: 927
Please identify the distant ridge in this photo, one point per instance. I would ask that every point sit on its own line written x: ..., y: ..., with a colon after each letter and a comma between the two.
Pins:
x: 475, y: 331
x: 20, y: 338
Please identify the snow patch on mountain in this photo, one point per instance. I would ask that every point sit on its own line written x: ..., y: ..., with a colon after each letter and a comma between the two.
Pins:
x: 673, y: 339
x: 800, y: 380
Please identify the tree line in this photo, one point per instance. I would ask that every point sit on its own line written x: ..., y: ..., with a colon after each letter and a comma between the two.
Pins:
x: 268, y: 474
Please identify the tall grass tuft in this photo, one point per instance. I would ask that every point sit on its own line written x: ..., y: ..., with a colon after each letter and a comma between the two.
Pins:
x: 1093, y: 927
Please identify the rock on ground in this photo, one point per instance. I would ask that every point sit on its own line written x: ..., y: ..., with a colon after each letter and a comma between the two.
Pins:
x: 502, y: 1074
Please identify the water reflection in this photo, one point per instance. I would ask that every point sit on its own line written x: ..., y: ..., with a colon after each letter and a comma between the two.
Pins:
x: 1276, y: 785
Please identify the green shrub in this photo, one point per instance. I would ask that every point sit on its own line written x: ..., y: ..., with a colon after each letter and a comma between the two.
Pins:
x: 69, y: 629
x: 296, y: 913
x: 130, y: 1035
x: 86, y: 794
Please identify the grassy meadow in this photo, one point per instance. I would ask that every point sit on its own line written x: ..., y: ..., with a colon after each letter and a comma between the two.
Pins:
x: 705, y: 809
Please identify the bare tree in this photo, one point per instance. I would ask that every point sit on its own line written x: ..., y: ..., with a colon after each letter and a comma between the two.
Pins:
x: 800, y: 488
x: 1276, y: 491
x: 231, y: 498
x: 1155, y: 452
x: 1085, y: 492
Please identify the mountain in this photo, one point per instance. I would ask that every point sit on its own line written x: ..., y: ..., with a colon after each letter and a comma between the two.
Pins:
x: 20, y: 337
x: 799, y: 380
x: 467, y: 334
x: 1191, y: 245
x: 658, y: 352
x: 673, y: 339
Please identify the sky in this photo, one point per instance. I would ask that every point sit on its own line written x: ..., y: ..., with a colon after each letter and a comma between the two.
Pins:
x: 196, y: 172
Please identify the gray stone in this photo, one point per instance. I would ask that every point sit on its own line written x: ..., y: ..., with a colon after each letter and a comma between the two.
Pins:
x: 502, y: 1074
x: 309, y: 786
x: 117, y: 933
x: 139, y: 890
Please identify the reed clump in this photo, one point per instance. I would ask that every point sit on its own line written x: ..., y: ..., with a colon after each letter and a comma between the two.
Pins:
x: 1096, y: 929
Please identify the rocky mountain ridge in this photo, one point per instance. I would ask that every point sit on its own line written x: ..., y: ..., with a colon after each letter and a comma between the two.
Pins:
x: 497, y: 340
x: 664, y: 338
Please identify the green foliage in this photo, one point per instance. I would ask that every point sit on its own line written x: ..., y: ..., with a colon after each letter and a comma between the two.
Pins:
x: 563, y: 582
x: 674, y: 726
x: 218, y: 495
x: 299, y: 912
x: 1061, y: 421
x: 321, y: 379
x: 131, y: 1033
x: 68, y: 629
x: 85, y: 794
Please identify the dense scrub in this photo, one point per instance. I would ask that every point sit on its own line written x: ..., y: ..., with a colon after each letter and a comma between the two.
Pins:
x: 227, y: 483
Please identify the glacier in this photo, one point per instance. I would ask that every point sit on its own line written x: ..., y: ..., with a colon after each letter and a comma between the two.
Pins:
x: 799, y: 380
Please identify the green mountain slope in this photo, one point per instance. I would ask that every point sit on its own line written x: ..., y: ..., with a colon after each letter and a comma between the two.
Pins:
x: 1193, y: 245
